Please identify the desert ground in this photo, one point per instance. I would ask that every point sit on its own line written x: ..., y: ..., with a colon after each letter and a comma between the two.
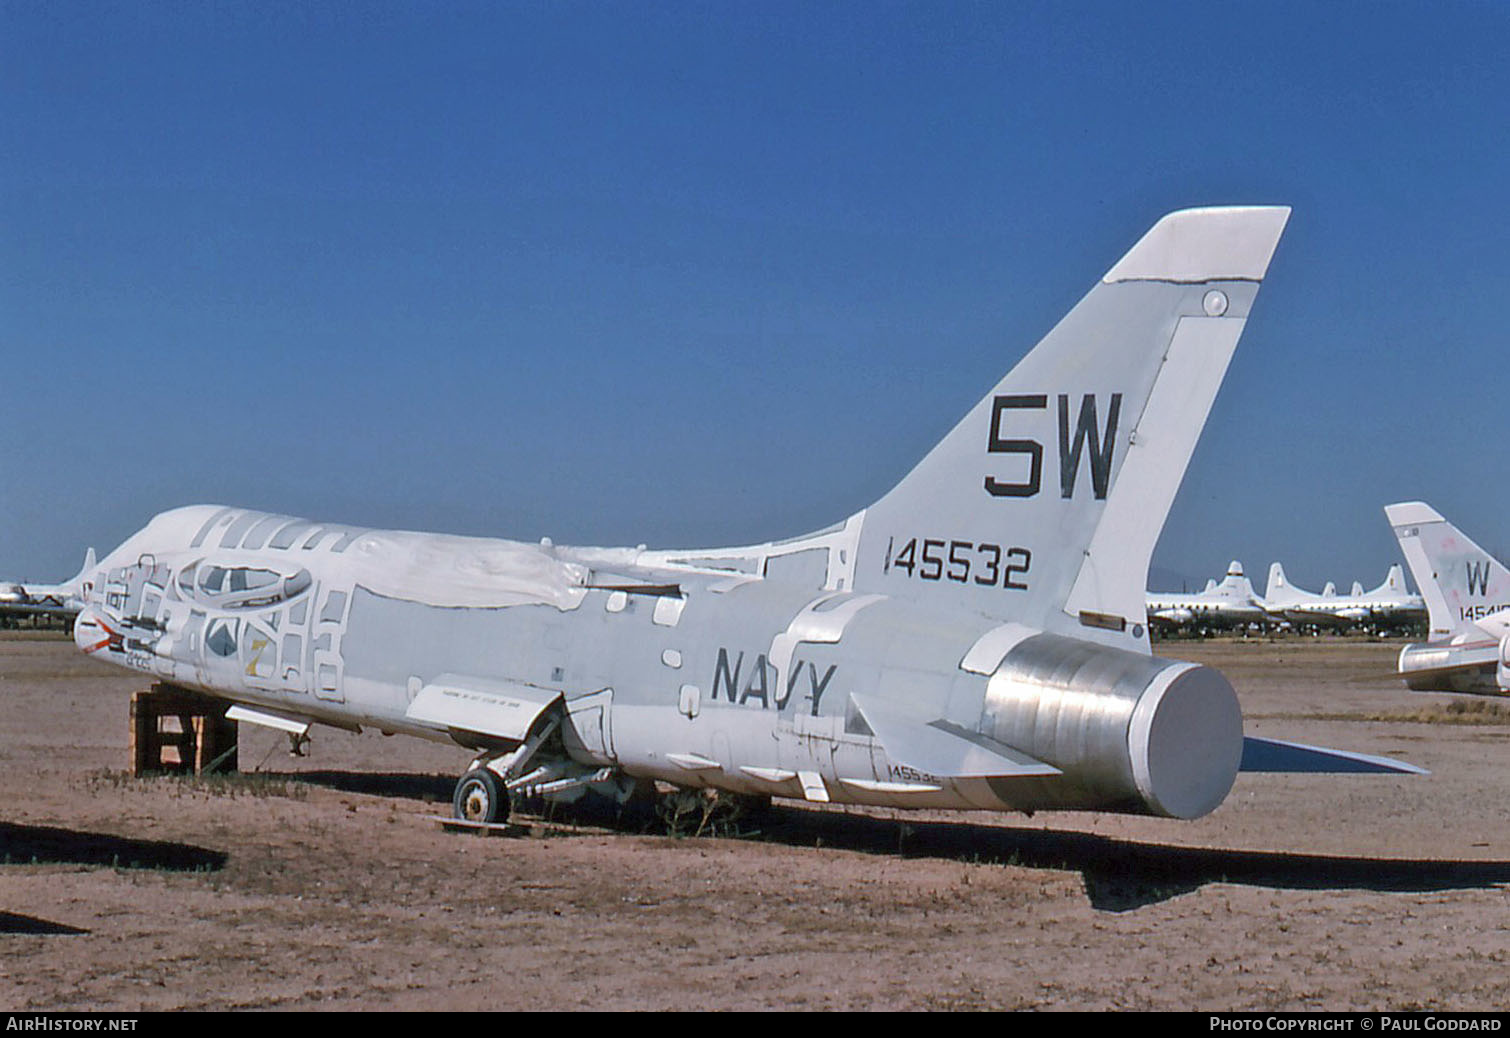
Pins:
x: 323, y: 881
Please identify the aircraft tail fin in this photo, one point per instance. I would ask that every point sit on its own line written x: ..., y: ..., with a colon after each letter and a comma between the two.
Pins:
x: 1461, y: 582
x: 75, y: 585
x: 1044, y: 504
x: 1394, y: 581
x: 1277, y: 585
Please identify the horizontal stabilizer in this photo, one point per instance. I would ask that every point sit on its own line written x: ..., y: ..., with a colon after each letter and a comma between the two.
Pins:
x: 1276, y: 756
x: 946, y: 750
x: 502, y: 709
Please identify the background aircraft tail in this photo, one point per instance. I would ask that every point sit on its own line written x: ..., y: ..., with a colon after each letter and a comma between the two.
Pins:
x: 1461, y: 582
x: 1044, y: 504
x: 1394, y: 582
x: 76, y: 585
x: 1277, y: 587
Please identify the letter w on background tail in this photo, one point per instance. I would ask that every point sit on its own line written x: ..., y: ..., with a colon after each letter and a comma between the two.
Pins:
x: 1461, y: 582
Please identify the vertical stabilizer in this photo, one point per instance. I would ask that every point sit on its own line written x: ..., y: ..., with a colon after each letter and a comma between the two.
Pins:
x: 1394, y: 581
x: 1277, y: 586
x: 1044, y: 504
x: 1461, y: 582
x: 85, y: 574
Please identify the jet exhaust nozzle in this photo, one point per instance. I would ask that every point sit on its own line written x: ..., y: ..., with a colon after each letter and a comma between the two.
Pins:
x: 1128, y: 731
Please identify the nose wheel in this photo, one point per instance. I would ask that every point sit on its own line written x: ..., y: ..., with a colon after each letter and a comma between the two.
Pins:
x: 481, y: 797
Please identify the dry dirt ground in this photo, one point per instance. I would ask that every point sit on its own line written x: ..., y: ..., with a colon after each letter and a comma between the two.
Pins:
x: 321, y: 882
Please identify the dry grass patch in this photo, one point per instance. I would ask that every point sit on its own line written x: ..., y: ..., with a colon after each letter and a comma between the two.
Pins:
x: 1485, y: 711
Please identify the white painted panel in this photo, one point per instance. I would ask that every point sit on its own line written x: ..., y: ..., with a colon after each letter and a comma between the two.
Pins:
x: 506, y: 709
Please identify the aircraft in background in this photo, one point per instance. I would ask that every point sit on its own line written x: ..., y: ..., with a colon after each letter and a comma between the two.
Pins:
x: 1467, y: 595
x: 1294, y: 605
x: 1232, y: 603
x: 60, y: 601
x: 976, y: 639
x: 1389, y: 605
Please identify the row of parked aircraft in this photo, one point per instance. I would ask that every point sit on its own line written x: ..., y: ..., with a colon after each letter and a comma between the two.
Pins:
x: 1233, y: 603
x: 61, y: 601
x: 976, y: 639
x: 1465, y: 599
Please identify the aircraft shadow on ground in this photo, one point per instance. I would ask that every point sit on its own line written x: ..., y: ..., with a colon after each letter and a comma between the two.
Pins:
x: 12, y: 923
x: 1119, y: 875
x: 433, y: 788
x: 43, y: 845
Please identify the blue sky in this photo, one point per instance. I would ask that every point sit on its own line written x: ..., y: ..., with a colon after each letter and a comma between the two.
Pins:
x: 711, y: 273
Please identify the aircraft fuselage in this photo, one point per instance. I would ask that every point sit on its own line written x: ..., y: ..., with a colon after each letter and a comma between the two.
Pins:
x: 745, y: 684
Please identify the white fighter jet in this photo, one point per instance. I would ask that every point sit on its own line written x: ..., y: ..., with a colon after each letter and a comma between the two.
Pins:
x: 1467, y: 593
x: 974, y: 639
